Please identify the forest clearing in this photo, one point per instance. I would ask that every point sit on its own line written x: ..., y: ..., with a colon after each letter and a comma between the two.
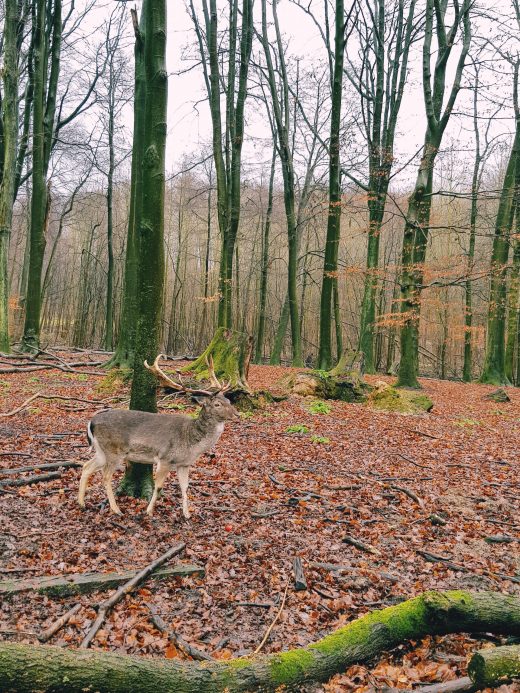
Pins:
x: 433, y: 500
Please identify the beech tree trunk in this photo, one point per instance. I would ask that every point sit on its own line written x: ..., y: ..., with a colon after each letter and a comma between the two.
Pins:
x: 125, y: 348
x: 27, y: 668
x: 137, y: 481
x: 9, y: 131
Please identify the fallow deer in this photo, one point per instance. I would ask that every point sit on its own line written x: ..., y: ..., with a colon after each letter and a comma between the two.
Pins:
x: 171, y: 441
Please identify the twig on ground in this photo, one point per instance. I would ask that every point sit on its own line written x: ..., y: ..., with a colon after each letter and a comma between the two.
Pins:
x: 175, y: 638
x: 360, y: 545
x: 48, y: 465
x: 415, y: 464
x: 105, y: 606
x: 58, y: 624
x: 278, y: 613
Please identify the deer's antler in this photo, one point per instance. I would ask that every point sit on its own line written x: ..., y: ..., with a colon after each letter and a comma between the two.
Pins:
x: 166, y: 380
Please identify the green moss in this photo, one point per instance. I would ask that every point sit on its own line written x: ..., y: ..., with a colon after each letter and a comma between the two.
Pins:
x: 402, y: 401
x: 297, y: 428
x: 319, y: 407
x: 114, y: 380
x: 286, y: 667
x: 320, y: 439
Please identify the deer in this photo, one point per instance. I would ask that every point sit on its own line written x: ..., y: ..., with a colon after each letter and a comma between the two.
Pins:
x: 170, y: 441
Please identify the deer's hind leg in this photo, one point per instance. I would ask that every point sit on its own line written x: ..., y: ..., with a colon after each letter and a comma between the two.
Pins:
x: 183, y: 474
x: 160, y: 477
x: 108, y: 473
x: 89, y: 468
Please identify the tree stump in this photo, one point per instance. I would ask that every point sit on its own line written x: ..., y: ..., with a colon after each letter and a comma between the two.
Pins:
x: 344, y: 382
x: 387, y: 398
x: 231, y: 353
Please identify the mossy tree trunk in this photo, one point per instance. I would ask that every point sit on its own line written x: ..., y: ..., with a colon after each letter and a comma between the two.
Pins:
x: 494, y: 372
x: 231, y: 353
x: 150, y: 231
x: 512, y: 312
x: 26, y: 668
x: 493, y: 667
x: 9, y: 137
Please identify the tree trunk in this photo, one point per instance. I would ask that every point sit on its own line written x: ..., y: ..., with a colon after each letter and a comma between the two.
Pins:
x: 150, y: 224
x: 8, y: 163
x: 26, y: 668
x: 47, y: 43
x: 330, y: 266
x: 124, y: 355
x: 264, y: 267
x: 494, y: 363
x: 512, y: 310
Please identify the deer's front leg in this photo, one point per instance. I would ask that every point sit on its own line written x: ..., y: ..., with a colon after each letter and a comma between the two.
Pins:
x: 183, y: 474
x: 160, y: 477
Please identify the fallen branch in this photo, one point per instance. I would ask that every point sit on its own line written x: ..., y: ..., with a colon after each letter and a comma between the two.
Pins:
x: 278, y: 613
x: 360, y: 545
x: 27, y: 667
x: 105, y: 606
x: 48, y: 465
x: 36, y: 479
x: 415, y: 464
x: 58, y: 625
x: 176, y: 639
x: 22, y: 406
x: 42, y: 396
x: 433, y: 558
x: 462, y: 685
x: 410, y: 494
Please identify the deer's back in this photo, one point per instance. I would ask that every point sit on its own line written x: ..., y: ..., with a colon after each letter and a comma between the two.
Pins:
x: 150, y: 435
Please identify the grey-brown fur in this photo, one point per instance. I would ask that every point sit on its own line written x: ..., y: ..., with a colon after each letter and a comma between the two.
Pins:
x: 167, y: 440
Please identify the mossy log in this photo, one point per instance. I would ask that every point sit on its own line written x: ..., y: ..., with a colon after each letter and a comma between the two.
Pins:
x: 495, y: 666
x: 231, y: 353
x: 29, y: 668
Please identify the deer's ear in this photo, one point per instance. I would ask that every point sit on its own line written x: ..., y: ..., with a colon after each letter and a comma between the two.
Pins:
x: 200, y: 399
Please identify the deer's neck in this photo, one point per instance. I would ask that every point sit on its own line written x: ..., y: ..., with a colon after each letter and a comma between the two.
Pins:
x: 205, y: 427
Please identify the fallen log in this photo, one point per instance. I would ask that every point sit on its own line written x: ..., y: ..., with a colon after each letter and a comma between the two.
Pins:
x: 47, y: 634
x: 26, y: 668
x: 495, y: 666
x: 84, y: 583
x: 105, y: 606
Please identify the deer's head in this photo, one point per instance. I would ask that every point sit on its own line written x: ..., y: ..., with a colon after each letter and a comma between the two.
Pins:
x: 217, y: 407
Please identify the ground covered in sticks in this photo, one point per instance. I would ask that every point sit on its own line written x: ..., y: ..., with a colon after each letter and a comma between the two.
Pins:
x: 378, y: 506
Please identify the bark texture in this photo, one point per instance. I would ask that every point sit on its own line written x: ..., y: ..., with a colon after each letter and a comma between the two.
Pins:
x: 495, y: 666
x: 26, y: 668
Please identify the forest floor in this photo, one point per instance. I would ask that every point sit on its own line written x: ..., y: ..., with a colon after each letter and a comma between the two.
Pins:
x: 344, y: 475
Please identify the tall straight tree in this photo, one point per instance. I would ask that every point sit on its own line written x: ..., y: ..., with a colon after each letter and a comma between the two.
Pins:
x: 386, y: 33
x: 417, y: 222
x: 494, y: 371
x: 47, y: 35
x: 8, y: 151
x: 138, y: 480
x: 228, y: 133
x: 125, y: 349
x: 330, y: 266
x: 281, y: 116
